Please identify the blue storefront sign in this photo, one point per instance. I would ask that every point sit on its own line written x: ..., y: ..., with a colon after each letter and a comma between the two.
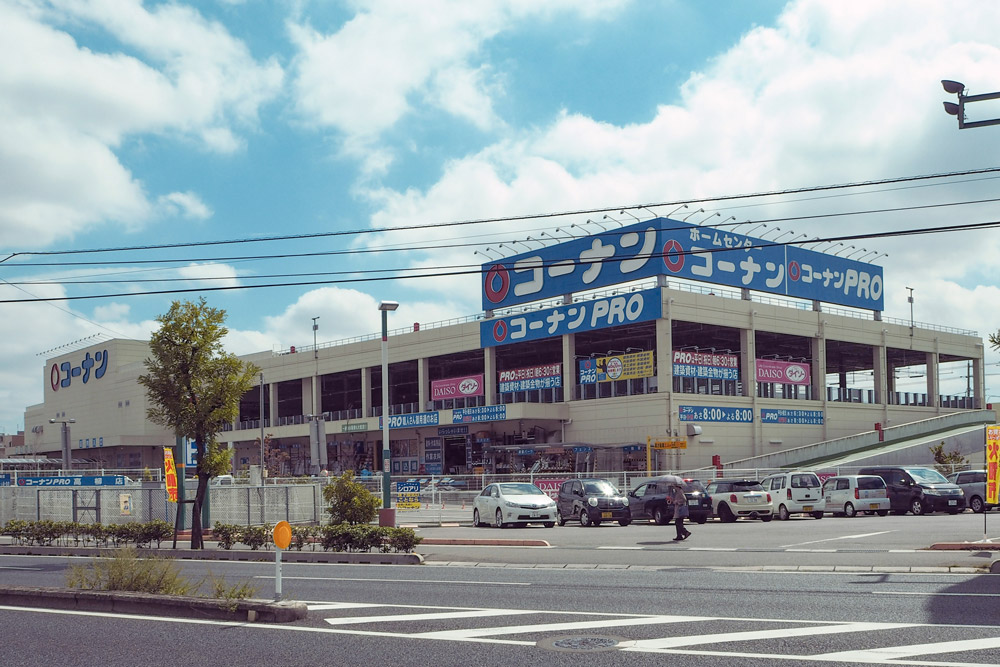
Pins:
x: 707, y: 413
x: 581, y: 449
x: 682, y: 250
x: 72, y: 480
x: 781, y: 416
x: 453, y: 430
x: 611, y: 311
x: 484, y: 413
x: 411, y: 420
x: 407, y: 487
x: 4, y: 479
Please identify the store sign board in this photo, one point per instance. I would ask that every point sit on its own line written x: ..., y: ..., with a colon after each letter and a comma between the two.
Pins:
x: 683, y: 250
x: 708, y: 413
x: 794, y: 417
x: 589, y: 315
x: 460, y: 387
x: 783, y: 372
x: 484, y: 413
x: 411, y: 420
x: 619, y: 367
x: 532, y: 377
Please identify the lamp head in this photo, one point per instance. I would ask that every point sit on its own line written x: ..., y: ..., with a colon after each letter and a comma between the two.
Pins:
x: 952, y: 87
x: 951, y: 108
x: 388, y: 305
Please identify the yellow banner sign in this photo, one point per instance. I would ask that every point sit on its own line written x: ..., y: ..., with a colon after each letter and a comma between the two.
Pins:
x: 625, y: 367
x: 992, y: 463
x: 670, y: 444
x: 170, y: 474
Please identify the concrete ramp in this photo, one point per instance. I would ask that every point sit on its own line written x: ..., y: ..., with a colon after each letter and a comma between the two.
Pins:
x: 904, y: 444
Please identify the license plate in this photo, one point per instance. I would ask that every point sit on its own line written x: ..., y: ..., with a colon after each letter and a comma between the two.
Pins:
x: 692, y: 502
x: 807, y: 508
x: 535, y: 515
x: 605, y: 515
x: 952, y: 502
x: 873, y: 506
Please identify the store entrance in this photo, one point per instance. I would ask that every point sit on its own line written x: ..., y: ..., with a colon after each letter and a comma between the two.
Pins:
x: 455, y: 455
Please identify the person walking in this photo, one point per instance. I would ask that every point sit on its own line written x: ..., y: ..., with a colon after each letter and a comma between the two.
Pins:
x: 680, y: 512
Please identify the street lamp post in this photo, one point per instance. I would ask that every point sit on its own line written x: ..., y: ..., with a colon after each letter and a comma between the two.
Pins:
x: 952, y: 109
x: 386, y: 514
x: 67, y: 463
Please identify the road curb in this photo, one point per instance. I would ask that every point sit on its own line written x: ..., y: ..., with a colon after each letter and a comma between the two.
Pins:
x: 340, y: 557
x: 148, y: 604
x: 965, y: 546
x: 458, y: 541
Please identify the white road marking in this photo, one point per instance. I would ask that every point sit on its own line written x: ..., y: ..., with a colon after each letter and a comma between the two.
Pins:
x: 407, y: 581
x: 955, y: 595
x: 472, y: 633
x: 14, y: 567
x: 893, y: 653
x: 623, y: 548
x: 434, y: 616
x: 755, y: 635
x: 842, y: 537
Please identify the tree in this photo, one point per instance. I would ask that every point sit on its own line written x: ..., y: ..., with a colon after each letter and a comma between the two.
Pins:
x: 946, y: 461
x: 194, y: 388
x: 350, y: 502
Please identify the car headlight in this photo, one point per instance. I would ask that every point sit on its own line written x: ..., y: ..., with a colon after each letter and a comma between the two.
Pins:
x: 931, y: 492
x: 625, y: 502
x: 510, y: 504
x: 592, y: 501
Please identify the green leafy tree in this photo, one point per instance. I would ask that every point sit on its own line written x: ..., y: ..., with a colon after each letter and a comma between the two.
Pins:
x: 194, y: 387
x: 946, y: 461
x: 350, y: 502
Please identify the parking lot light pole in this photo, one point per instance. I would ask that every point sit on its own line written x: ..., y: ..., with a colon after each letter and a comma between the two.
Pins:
x: 386, y: 514
x: 952, y: 109
x: 67, y: 463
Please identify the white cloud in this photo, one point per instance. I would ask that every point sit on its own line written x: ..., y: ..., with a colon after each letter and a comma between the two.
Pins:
x: 66, y: 109
x: 184, y: 204
x: 210, y: 274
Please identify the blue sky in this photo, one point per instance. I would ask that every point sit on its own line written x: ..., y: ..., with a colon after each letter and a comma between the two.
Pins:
x: 129, y: 123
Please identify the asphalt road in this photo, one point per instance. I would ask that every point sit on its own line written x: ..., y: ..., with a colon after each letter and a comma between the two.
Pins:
x: 458, y: 615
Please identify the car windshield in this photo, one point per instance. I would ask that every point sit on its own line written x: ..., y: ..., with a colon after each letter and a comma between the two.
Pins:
x: 599, y: 489
x: 809, y: 481
x: 514, y: 489
x: 871, y: 483
x: 747, y: 486
x: 926, y: 476
x: 693, y: 486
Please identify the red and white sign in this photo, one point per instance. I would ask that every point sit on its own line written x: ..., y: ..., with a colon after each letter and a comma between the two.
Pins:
x: 530, y: 373
x: 706, y: 359
x: 783, y: 372
x: 471, y: 385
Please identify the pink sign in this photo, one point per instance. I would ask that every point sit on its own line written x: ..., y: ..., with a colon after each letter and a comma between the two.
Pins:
x: 783, y: 372
x: 471, y: 385
x: 706, y: 359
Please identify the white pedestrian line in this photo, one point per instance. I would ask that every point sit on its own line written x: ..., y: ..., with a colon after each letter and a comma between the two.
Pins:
x: 435, y: 616
x: 435, y: 582
x: 842, y: 537
x: 893, y: 653
x: 756, y: 635
x: 472, y: 633
x: 955, y: 595
x: 623, y: 548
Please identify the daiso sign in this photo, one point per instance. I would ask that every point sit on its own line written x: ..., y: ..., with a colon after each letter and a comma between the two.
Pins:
x: 783, y: 372
x: 470, y: 385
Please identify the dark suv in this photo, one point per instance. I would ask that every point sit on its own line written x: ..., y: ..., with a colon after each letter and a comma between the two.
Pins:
x: 592, y: 501
x: 918, y: 490
x: 654, y: 500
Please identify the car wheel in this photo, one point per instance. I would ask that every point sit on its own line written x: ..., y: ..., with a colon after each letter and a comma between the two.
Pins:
x: 702, y: 519
x: 783, y: 513
x: 475, y: 518
x: 624, y: 522
x: 817, y: 515
x: 660, y: 516
x: 549, y: 524
x: 499, y: 520
x: 849, y: 510
x: 766, y: 517
x: 916, y: 507
x: 883, y: 512
x: 560, y: 518
x: 725, y: 514
x: 584, y: 518
x: 976, y: 504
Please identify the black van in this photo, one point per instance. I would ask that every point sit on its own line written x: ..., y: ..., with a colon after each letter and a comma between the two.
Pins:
x: 918, y: 490
x: 592, y: 501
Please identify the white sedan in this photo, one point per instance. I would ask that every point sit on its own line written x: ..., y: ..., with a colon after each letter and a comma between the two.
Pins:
x: 507, y: 503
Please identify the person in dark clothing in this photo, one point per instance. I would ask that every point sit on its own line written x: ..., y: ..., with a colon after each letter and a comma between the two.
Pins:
x: 680, y: 513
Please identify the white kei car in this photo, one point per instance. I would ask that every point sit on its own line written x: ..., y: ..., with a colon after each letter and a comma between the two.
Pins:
x: 507, y: 503
x: 850, y: 495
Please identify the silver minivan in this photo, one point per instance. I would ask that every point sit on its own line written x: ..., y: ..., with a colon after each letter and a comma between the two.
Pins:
x: 849, y: 495
x: 795, y: 492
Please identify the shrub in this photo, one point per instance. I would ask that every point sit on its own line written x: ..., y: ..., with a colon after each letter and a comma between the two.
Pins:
x: 156, y: 531
x: 223, y: 591
x: 335, y: 538
x: 226, y: 534
x: 255, y: 536
x: 301, y: 535
x: 403, y: 540
x: 125, y: 571
x: 350, y: 502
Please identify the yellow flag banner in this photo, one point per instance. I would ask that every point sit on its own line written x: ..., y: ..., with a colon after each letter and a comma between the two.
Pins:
x: 170, y: 474
x: 992, y: 463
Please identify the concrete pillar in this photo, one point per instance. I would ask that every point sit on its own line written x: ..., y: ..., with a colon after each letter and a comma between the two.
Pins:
x: 879, y: 366
x: 664, y: 356
x: 366, y: 392
x: 933, y: 380
x: 272, y: 413
x: 569, y: 366
x: 423, y: 383
x: 308, y: 406
x: 978, y: 387
x: 748, y: 366
x: 490, y: 374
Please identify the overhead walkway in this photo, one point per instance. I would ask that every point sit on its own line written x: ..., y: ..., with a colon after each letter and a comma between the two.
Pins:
x: 903, y: 444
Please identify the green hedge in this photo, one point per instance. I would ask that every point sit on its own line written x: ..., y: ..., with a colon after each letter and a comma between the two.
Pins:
x: 340, y: 537
x: 65, y: 533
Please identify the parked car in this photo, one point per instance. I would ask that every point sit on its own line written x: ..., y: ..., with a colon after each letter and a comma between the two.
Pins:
x: 795, y: 493
x: 918, y: 490
x: 848, y: 495
x: 508, y: 503
x: 654, y: 500
x: 733, y: 498
x: 592, y: 501
x: 973, y: 484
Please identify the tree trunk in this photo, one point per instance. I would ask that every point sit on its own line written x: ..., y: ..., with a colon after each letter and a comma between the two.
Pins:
x: 197, y: 540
